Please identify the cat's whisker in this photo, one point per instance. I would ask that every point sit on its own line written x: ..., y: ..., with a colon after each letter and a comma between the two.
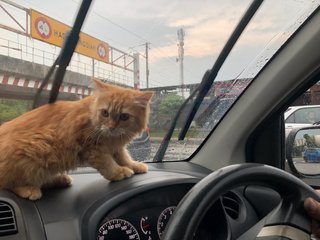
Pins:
x: 96, y: 136
x: 91, y: 136
x: 85, y: 131
x: 88, y: 139
x: 126, y: 135
x: 100, y: 132
x: 131, y: 134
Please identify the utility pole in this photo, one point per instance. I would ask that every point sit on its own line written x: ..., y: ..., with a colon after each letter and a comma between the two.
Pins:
x: 146, y: 56
x: 136, y: 71
x: 147, y: 64
x: 181, y: 35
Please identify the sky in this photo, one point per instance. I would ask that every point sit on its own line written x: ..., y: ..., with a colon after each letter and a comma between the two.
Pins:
x: 127, y: 25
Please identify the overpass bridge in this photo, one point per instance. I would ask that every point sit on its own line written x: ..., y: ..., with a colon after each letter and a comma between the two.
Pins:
x: 20, y: 79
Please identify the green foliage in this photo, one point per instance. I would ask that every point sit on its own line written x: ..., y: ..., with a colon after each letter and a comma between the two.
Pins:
x: 158, y: 133
x: 10, y: 109
x: 167, y: 110
x: 170, y: 104
x: 164, y: 106
x: 298, y: 150
x: 310, y: 141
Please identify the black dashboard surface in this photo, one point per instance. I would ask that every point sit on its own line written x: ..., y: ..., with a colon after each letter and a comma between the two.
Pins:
x: 135, y: 208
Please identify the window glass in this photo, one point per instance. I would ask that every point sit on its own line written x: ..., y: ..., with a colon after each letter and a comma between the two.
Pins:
x: 162, y: 46
x: 305, y: 115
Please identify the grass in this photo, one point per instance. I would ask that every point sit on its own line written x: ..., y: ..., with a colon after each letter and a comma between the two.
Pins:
x: 193, y: 132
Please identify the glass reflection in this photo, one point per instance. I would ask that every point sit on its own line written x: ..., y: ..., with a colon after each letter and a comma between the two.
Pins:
x: 306, y: 151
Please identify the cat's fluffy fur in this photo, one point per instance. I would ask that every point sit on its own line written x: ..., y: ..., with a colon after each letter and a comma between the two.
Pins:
x: 40, y: 146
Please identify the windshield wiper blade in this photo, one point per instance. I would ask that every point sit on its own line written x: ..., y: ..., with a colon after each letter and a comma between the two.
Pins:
x: 206, y: 82
x: 36, y: 101
x: 65, y: 55
x: 205, y: 87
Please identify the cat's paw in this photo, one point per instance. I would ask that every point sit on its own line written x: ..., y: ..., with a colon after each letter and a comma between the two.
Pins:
x: 29, y: 192
x: 121, y: 173
x: 139, y: 167
x: 64, y: 180
x: 59, y: 181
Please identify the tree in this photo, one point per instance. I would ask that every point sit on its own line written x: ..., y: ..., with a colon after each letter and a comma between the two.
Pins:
x: 168, y: 108
x: 170, y: 104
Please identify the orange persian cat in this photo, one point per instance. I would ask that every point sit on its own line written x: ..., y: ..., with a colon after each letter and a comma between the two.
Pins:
x: 39, y: 147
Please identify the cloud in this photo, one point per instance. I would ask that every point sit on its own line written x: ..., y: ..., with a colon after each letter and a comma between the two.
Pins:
x: 187, y: 22
x: 207, y: 33
x: 207, y: 37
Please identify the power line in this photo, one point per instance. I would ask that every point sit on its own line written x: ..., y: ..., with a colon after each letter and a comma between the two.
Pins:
x: 163, y: 54
x: 133, y: 33
x: 169, y: 60
x: 116, y: 24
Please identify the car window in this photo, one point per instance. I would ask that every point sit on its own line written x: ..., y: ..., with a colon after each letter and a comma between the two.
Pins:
x: 300, y: 118
x: 305, y: 115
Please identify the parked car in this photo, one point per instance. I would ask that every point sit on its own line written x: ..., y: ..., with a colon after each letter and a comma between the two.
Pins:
x: 301, y: 116
x: 234, y: 182
x: 312, y: 155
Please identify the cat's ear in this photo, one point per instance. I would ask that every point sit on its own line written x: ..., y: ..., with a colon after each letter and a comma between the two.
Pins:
x: 143, y: 98
x: 99, y: 85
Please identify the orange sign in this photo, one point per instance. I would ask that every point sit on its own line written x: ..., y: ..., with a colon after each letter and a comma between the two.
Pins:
x: 52, y: 31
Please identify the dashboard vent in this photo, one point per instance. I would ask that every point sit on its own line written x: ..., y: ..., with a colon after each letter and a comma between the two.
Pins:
x: 8, y: 224
x: 231, y: 204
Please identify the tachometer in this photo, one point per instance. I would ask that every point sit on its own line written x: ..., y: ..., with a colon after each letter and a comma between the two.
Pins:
x: 116, y: 229
x: 163, y: 219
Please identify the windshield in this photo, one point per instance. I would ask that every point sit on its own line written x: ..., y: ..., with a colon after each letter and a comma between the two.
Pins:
x: 163, y: 46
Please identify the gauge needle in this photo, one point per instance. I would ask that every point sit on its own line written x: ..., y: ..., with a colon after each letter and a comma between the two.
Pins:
x: 145, y: 227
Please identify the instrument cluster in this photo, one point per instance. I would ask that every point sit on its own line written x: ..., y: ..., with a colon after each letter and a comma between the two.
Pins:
x: 143, y: 217
x: 147, y: 224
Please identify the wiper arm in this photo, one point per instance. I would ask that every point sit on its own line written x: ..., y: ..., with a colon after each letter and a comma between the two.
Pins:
x: 205, y: 87
x: 206, y: 82
x: 65, y: 55
x: 45, y: 81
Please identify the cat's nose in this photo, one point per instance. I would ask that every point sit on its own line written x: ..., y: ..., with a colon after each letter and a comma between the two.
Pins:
x: 112, y: 127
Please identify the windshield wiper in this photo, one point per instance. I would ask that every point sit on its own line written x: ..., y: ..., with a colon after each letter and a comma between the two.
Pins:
x: 64, y: 57
x: 206, y: 82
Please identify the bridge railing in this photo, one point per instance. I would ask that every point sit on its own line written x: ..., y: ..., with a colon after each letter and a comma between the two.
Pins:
x: 79, y: 64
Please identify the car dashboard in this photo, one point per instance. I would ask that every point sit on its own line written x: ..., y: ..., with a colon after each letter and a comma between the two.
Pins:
x: 136, y: 208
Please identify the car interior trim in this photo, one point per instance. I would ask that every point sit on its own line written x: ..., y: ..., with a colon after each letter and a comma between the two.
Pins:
x: 284, y: 231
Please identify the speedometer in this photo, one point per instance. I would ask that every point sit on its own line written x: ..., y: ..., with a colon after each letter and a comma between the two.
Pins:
x: 116, y: 229
x: 163, y: 219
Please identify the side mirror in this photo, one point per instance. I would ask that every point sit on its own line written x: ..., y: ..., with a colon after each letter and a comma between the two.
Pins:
x: 303, y: 151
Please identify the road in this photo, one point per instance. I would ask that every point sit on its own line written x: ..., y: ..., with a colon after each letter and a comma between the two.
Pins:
x: 306, y: 168
x: 177, y: 150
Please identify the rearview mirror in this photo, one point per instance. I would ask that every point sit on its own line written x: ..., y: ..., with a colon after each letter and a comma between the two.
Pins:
x: 303, y: 150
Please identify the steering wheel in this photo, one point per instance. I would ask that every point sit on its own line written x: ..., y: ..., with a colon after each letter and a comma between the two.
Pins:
x: 287, y: 221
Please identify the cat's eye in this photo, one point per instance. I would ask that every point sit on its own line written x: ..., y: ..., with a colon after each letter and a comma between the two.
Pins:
x: 104, y: 113
x: 124, y: 116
